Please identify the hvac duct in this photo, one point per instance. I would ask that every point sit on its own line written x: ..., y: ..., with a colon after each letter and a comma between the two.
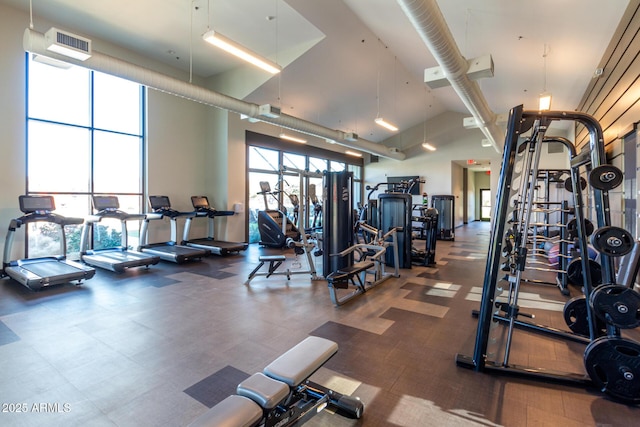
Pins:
x: 427, y: 19
x: 34, y: 42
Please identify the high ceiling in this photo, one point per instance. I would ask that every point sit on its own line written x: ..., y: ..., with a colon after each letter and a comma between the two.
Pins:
x: 348, y: 61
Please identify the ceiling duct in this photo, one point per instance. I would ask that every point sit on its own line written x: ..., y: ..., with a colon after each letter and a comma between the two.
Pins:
x: 35, y: 42
x: 427, y: 19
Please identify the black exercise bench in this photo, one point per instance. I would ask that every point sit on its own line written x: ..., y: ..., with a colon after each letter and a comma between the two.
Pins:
x: 341, y: 278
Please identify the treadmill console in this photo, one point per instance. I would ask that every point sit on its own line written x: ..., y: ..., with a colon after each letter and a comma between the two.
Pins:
x: 105, y: 203
x: 265, y: 187
x: 200, y: 202
x: 31, y: 204
x: 159, y: 203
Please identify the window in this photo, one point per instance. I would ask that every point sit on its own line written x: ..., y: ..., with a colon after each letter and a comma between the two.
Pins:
x: 85, y: 136
x: 269, y: 158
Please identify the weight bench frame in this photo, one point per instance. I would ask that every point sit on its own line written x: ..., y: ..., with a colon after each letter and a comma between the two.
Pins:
x: 276, y: 261
x: 282, y: 395
x: 356, y: 274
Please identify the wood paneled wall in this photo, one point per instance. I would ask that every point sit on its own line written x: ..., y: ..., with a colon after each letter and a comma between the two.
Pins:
x: 613, y: 97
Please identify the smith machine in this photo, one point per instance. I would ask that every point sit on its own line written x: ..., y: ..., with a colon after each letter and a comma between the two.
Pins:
x: 611, y: 361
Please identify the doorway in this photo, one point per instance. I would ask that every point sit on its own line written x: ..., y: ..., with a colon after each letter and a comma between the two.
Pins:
x: 485, y: 204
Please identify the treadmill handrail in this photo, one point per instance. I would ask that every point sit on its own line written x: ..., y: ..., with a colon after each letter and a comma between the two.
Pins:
x: 44, y: 217
x: 172, y: 213
x: 115, y: 214
x: 211, y: 212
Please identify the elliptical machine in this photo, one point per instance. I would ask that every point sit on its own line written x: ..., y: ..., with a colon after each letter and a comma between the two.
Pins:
x: 274, y: 225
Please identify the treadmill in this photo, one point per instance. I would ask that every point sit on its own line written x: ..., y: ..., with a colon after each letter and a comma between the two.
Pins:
x: 218, y: 247
x: 37, y: 273
x: 170, y: 250
x: 116, y: 258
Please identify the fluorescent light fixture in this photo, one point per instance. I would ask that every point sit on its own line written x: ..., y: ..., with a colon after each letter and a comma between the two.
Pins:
x: 241, y: 52
x: 52, y: 62
x: 486, y: 143
x: 353, y: 153
x: 249, y: 118
x: 544, y: 101
x: 386, y: 124
x: 330, y: 141
x: 428, y: 146
x: 67, y: 44
x: 292, y: 138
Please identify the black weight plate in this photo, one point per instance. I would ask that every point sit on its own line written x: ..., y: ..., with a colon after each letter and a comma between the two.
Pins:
x: 574, y: 272
x: 605, y: 177
x: 572, y: 228
x: 617, y: 305
x: 575, y: 316
x: 568, y: 184
x: 613, y: 364
x: 612, y: 241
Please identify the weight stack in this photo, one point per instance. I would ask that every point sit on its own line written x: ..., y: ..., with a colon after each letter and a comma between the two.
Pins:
x: 395, y: 211
x: 337, y: 215
x: 446, y: 209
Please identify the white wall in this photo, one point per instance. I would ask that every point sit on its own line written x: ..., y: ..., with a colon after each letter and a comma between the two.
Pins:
x: 12, y: 116
x: 452, y: 141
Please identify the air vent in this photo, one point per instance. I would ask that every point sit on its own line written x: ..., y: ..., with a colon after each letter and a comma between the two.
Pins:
x: 68, y: 44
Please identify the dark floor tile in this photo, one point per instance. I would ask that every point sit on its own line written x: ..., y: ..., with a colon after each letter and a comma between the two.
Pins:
x: 7, y: 336
x: 216, y: 387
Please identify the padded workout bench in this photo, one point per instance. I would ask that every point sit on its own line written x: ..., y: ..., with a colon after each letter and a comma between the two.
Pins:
x: 276, y: 261
x: 354, y: 273
x: 281, y: 394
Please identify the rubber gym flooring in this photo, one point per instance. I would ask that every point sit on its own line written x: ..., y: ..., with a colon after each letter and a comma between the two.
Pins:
x: 158, y: 346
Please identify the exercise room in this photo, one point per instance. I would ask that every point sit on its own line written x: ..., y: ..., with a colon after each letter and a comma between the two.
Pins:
x: 330, y: 213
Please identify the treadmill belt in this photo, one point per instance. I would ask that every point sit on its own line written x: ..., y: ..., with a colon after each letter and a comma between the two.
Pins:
x: 50, y: 268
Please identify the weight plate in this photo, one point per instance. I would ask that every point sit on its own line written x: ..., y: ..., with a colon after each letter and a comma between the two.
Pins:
x: 568, y: 184
x: 575, y: 316
x: 605, y: 177
x: 613, y: 364
x: 612, y: 241
x: 572, y: 228
x: 574, y: 272
x: 617, y: 305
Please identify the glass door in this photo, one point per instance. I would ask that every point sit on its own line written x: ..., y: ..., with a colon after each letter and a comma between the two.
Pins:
x: 485, y: 204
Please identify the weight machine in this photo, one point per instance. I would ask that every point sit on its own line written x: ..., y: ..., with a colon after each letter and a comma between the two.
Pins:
x: 611, y: 361
x: 355, y: 256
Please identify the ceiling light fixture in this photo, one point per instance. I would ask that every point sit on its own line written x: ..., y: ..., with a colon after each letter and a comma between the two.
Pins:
x: 292, y: 138
x: 353, y: 153
x: 379, y: 120
x: 425, y: 144
x: 544, y: 100
x: 236, y: 49
x: 385, y: 124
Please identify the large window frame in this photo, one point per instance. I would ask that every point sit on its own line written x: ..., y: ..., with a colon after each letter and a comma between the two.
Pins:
x: 315, y: 159
x: 110, y: 138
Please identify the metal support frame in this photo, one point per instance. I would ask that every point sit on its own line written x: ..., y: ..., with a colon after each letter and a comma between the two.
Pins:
x: 519, y: 122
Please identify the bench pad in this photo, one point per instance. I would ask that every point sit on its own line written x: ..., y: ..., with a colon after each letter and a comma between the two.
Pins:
x: 297, y: 364
x: 356, y: 268
x: 234, y: 411
x: 263, y: 390
x: 271, y: 258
